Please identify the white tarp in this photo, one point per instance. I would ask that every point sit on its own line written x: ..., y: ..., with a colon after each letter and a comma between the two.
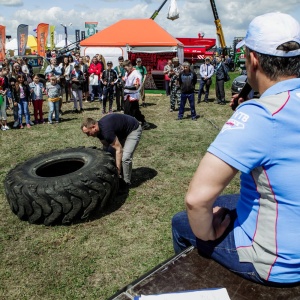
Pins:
x: 173, y: 13
x: 62, y: 43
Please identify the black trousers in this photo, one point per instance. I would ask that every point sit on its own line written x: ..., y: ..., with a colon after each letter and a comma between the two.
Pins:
x: 132, y: 108
x: 220, y: 92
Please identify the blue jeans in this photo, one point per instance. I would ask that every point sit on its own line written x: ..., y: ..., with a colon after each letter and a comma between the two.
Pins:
x: 53, y: 107
x: 222, y: 250
x: 191, y: 98
x: 23, y: 110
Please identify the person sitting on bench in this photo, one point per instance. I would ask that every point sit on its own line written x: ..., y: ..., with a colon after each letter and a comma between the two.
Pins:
x: 255, y: 234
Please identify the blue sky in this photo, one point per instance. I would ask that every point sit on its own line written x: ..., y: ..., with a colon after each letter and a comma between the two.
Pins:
x: 195, y: 15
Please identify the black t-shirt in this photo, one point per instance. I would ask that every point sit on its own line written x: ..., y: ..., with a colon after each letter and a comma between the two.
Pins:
x: 116, y: 125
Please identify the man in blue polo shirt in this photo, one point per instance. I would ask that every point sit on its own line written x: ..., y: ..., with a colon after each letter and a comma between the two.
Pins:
x: 118, y: 133
x: 254, y: 234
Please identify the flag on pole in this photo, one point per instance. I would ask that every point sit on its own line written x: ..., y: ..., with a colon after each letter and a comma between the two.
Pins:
x: 22, y: 37
x: 42, y: 34
x: 52, y: 29
x: 2, y: 42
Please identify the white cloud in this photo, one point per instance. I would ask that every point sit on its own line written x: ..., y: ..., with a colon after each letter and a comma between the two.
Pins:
x: 195, y: 15
x: 11, y: 2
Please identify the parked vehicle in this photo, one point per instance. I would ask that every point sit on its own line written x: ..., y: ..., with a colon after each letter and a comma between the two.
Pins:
x: 238, y: 83
x: 38, y: 63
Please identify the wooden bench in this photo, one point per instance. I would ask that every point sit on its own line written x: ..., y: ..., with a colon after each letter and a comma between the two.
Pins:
x: 190, y: 271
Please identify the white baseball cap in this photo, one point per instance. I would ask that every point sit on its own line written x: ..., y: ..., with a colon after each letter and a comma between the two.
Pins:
x: 266, y: 32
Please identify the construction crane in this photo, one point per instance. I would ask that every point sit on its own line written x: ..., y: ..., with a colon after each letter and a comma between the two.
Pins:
x: 219, y: 28
x: 158, y: 10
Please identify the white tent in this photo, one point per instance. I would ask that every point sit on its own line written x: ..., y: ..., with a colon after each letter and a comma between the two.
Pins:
x: 13, y: 46
x: 62, y: 43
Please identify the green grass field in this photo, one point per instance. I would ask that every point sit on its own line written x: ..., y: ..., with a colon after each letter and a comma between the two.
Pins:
x: 93, y: 260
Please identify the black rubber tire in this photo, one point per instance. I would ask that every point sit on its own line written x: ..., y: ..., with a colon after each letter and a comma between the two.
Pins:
x: 62, y: 186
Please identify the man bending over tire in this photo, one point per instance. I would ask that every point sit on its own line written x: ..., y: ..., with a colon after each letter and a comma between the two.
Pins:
x: 119, y: 134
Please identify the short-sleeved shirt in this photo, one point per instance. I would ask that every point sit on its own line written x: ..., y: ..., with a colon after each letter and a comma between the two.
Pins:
x: 116, y: 125
x: 262, y: 140
x: 142, y: 70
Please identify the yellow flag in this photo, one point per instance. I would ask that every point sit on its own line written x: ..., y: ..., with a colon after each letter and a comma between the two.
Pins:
x: 52, y: 29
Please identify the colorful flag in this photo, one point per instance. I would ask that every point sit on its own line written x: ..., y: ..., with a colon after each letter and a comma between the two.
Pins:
x: 52, y: 29
x: 22, y: 36
x: 42, y: 34
x: 83, y: 35
x: 2, y: 42
x: 90, y: 28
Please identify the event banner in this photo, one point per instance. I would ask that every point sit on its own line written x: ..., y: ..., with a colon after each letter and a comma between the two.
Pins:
x: 42, y: 34
x: 52, y: 30
x: 22, y: 36
x: 90, y: 28
x: 77, y: 35
x: 2, y: 42
x: 82, y: 35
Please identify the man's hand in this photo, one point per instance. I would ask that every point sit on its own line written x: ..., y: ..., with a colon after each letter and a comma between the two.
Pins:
x: 235, y: 100
x: 221, y: 220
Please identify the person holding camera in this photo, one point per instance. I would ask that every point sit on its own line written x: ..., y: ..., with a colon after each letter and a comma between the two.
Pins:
x: 109, y: 79
x: 77, y: 80
x: 206, y: 72
x: 120, y: 84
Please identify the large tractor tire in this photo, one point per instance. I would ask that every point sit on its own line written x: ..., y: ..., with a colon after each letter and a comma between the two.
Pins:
x: 62, y: 186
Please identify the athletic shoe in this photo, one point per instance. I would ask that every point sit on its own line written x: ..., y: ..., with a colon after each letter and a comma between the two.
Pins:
x: 16, y: 124
x: 28, y: 126
x: 31, y: 123
x: 3, y: 128
x: 6, y: 127
x: 171, y: 109
x: 21, y: 126
x: 50, y: 123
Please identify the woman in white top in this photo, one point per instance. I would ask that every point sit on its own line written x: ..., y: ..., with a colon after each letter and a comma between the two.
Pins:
x: 67, y: 70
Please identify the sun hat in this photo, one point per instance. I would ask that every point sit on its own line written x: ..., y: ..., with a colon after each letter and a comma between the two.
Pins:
x: 138, y: 59
x: 175, y: 58
x: 266, y: 32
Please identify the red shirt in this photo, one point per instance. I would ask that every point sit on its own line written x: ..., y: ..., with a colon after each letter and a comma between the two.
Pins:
x: 95, y: 68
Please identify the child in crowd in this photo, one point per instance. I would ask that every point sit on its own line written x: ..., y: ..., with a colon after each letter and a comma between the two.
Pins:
x: 3, y: 116
x: 21, y: 97
x: 10, y: 98
x: 53, y: 91
x: 36, y: 93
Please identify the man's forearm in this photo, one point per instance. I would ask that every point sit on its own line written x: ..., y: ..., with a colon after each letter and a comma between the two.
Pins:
x: 119, y: 154
x: 211, y: 177
x: 201, y: 219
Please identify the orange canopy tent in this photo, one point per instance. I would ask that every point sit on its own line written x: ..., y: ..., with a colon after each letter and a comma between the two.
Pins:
x: 136, y: 32
x: 131, y: 35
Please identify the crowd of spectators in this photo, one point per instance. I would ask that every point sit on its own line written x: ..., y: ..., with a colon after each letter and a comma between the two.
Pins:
x: 69, y: 78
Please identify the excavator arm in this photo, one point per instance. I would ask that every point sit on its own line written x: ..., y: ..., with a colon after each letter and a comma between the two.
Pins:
x: 219, y: 29
x: 158, y: 10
